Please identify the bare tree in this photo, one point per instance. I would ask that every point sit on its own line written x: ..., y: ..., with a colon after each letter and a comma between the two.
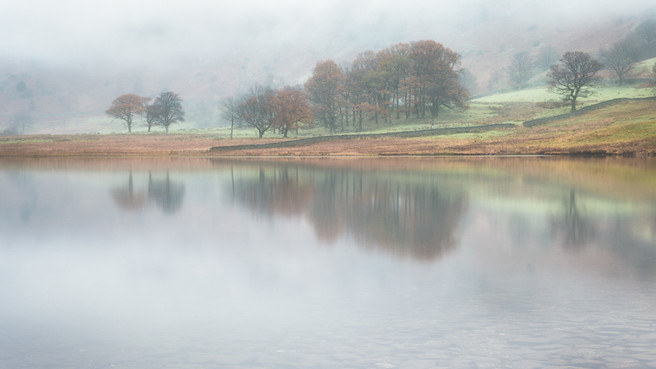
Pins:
x: 149, y: 112
x: 256, y: 110
x: 230, y: 112
x: 167, y: 109
x: 520, y: 70
x: 575, y: 76
x: 620, y: 58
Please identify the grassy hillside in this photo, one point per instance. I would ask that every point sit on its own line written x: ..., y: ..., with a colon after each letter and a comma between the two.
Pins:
x: 626, y: 127
x: 621, y: 128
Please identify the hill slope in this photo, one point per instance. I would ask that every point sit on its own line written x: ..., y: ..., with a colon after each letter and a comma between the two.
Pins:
x: 41, y: 96
x: 626, y: 127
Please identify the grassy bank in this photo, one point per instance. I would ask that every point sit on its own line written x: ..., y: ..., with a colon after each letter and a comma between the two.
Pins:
x: 493, y: 125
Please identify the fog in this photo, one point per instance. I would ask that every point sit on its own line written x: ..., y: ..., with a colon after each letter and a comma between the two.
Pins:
x: 73, y: 57
x: 146, y: 32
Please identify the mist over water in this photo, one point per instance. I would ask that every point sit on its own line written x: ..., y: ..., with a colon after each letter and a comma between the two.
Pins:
x: 144, y: 263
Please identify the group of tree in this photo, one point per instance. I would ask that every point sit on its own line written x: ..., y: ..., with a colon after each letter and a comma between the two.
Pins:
x: 164, y: 111
x: 264, y: 108
x: 417, y: 78
x: 619, y: 58
x: 576, y: 74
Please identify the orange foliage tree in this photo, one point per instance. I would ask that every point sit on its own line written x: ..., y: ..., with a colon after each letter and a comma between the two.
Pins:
x: 290, y: 108
x: 421, y: 76
x: 436, y: 81
x: 126, y: 107
x: 324, y: 92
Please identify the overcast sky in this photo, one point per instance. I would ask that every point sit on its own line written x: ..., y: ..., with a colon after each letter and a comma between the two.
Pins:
x: 129, y: 30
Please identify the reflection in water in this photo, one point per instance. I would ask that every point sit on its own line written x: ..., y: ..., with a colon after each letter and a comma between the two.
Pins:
x: 166, y: 194
x: 127, y: 198
x: 476, y: 268
x: 416, y: 218
x: 576, y: 230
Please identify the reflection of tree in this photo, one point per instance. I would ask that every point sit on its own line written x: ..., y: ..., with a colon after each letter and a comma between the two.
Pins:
x: 165, y: 193
x: 417, y: 218
x: 126, y: 198
x: 275, y: 191
x: 575, y: 229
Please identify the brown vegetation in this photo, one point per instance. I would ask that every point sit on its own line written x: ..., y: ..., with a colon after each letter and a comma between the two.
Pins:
x: 624, y: 128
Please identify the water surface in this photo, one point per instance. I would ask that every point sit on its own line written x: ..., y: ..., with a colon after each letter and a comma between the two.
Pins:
x: 354, y: 263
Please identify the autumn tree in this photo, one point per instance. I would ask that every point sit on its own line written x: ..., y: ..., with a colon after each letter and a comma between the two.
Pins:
x: 394, y: 65
x: 256, y: 109
x: 575, y: 76
x: 167, y: 109
x: 290, y: 108
x: 126, y: 107
x: 620, y: 58
x: 520, y: 70
x: 323, y: 90
x: 434, y: 80
x: 363, y: 83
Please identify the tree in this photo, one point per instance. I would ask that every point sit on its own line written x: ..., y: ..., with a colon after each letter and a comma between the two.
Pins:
x: 149, y: 112
x: 323, y: 89
x: 575, y: 76
x: 434, y: 81
x: 620, y: 58
x: 291, y: 108
x: 230, y: 112
x: 126, y: 107
x: 167, y: 109
x: 520, y: 70
x: 256, y: 109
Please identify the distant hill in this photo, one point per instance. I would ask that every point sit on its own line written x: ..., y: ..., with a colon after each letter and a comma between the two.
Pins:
x: 42, y: 97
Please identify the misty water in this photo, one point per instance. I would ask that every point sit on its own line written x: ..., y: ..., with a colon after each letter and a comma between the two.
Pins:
x: 327, y: 263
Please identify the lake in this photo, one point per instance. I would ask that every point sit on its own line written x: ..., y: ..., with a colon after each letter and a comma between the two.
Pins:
x: 327, y: 263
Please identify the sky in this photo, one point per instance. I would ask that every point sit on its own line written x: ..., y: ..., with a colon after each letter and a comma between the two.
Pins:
x: 131, y: 31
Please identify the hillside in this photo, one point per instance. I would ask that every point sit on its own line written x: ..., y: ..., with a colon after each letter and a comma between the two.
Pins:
x: 624, y: 127
x: 41, y: 97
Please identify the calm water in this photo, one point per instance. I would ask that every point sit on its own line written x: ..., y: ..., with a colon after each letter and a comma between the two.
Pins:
x: 355, y: 263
